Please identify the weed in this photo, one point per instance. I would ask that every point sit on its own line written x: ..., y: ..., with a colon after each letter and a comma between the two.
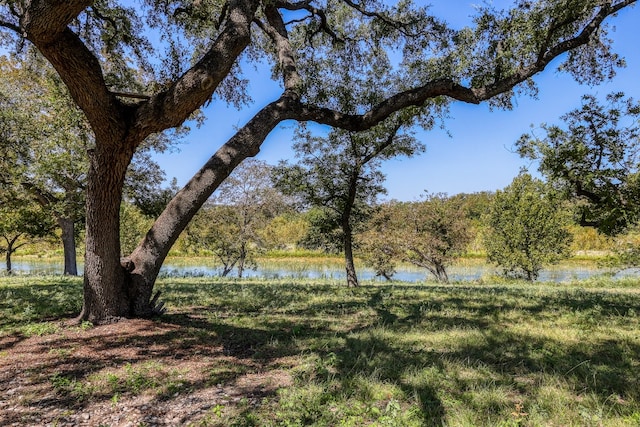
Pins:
x: 70, y: 386
x: 61, y: 352
x: 212, y: 418
x: 39, y: 329
x: 86, y: 325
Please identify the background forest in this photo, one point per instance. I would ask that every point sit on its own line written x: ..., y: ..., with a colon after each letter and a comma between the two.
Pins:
x: 259, y: 223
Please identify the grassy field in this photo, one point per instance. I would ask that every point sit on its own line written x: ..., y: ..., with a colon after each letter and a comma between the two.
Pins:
x: 483, y: 354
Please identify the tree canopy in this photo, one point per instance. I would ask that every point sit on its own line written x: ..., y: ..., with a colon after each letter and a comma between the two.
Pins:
x: 429, y: 234
x: 22, y: 221
x: 594, y: 157
x: 340, y: 175
x: 527, y: 229
x: 45, y: 149
x: 138, y: 69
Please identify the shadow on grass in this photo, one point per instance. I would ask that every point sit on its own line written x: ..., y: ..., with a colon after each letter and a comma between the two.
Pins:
x: 32, y: 301
x: 250, y: 330
x: 372, y: 357
x: 603, y: 368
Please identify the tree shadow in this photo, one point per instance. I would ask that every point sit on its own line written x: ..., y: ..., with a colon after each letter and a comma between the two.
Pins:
x: 603, y: 368
x: 370, y: 356
x: 63, y: 377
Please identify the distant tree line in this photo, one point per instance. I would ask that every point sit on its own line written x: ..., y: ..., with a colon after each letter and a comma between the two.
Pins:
x: 521, y: 229
x: 329, y: 200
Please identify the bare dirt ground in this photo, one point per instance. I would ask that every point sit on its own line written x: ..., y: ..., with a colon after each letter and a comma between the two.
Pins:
x: 130, y: 373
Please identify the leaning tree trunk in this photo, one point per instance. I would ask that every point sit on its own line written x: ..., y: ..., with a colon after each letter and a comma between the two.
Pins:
x: 69, y: 246
x: 143, y: 265
x: 106, y: 296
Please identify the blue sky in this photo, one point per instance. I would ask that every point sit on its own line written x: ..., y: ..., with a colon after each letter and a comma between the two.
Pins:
x: 476, y: 157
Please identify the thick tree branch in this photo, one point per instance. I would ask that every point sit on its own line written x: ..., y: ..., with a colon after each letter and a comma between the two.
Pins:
x: 584, y: 36
x: 46, y: 20
x: 544, y: 59
x: 584, y: 222
x: 132, y: 95
x: 305, y: 5
x: 10, y: 26
x: 582, y: 192
x: 152, y: 251
x: 82, y: 73
x: 44, y: 23
x: 550, y: 31
x: 277, y: 31
x: 173, y: 106
x: 398, y: 25
x: 16, y: 247
x: 445, y: 87
x: 42, y: 197
x: 395, y: 103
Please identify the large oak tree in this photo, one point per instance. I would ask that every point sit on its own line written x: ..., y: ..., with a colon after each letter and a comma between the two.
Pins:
x: 43, y: 144
x: 100, y: 50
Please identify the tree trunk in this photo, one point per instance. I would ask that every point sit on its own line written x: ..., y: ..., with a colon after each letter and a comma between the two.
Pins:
x: 10, y: 250
x: 145, y: 261
x: 347, y: 236
x: 226, y: 270
x: 8, y: 261
x: 69, y: 245
x: 243, y: 256
x: 441, y: 273
x: 106, y: 293
x: 352, y: 277
x: 347, y: 232
x: 532, y: 275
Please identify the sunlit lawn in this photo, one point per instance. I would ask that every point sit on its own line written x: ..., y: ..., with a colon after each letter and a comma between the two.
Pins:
x: 507, y: 354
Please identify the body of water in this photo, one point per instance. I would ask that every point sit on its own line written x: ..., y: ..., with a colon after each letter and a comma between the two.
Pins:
x: 318, y: 269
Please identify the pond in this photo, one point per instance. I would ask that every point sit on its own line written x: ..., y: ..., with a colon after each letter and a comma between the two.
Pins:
x: 326, y: 268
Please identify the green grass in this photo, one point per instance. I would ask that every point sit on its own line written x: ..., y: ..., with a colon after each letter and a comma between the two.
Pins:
x: 34, y: 305
x: 487, y: 354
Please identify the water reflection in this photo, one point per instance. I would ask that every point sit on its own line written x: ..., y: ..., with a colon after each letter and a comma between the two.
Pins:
x: 37, y: 266
x: 318, y: 269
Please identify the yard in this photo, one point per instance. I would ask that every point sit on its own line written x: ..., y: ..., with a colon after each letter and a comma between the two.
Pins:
x: 304, y: 352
